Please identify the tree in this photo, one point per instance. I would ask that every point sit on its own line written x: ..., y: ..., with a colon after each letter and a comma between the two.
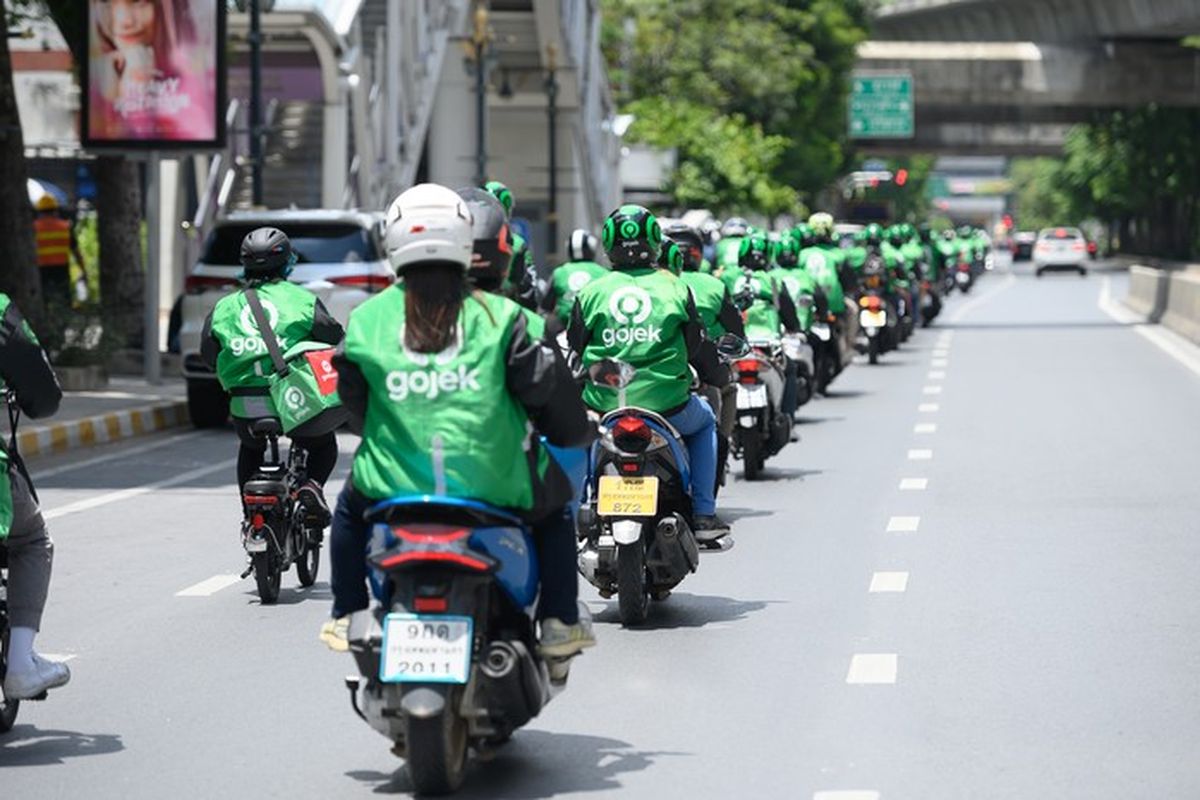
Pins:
x: 118, y: 208
x: 19, y: 278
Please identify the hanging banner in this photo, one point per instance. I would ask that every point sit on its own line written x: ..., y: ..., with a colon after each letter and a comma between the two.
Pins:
x: 155, y: 75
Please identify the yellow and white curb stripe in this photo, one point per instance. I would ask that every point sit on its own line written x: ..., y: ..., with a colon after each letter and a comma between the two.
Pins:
x: 114, y: 426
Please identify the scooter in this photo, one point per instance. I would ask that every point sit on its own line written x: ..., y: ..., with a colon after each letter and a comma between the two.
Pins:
x: 762, y: 428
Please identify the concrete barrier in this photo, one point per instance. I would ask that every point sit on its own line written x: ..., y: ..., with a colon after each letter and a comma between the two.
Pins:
x: 1148, y: 290
x: 1182, y: 313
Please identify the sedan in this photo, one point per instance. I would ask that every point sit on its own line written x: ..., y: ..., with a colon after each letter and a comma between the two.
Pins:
x: 1060, y: 248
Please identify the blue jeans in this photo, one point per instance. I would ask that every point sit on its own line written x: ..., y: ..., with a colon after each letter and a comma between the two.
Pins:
x: 698, y: 426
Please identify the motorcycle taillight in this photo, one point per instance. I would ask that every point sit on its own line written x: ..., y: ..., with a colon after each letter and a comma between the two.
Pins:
x: 632, y: 434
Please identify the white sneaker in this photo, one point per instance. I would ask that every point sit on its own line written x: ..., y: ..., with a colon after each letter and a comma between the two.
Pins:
x: 32, y: 683
x: 560, y: 640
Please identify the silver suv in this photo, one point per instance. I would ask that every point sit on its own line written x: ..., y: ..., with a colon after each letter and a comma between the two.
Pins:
x: 341, y: 260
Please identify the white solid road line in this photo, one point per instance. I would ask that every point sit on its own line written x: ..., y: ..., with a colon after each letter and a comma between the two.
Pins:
x: 125, y: 453
x: 903, y: 524
x: 932, y: 390
x: 1162, y: 337
x: 913, y: 484
x: 210, y: 586
x: 920, y: 455
x: 928, y: 408
x: 888, y: 582
x: 873, y: 668
x: 925, y: 427
x: 135, y: 491
x: 847, y: 794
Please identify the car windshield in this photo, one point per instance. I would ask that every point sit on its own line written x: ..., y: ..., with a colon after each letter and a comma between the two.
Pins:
x: 314, y: 242
x: 1061, y: 234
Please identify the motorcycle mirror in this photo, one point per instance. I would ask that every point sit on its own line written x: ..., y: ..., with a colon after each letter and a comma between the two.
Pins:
x: 611, y: 373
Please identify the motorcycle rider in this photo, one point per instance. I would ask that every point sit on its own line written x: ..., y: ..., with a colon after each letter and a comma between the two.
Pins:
x: 825, y: 261
x: 25, y: 371
x: 726, y: 254
x: 233, y: 347
x: 768, y: 307
x: 647, y: 318
x: 579, y: 270
x: 522, y: 282
x: 496, y: 385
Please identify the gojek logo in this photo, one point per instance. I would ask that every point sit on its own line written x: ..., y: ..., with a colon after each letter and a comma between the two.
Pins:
x: 294, y: 398
x: 431, y: 382
x: 630, y: 307
x: 578, y: 281
x: 252, y: 343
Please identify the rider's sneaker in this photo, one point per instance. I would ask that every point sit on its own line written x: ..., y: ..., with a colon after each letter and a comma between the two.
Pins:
x: 312, y: 499
x: 335, y: 634
x: 36, y: 681
x: 560, y: 640
x: 710, y: 528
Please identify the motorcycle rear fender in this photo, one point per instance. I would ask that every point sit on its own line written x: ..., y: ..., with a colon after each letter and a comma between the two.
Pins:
x: 627, y: 531
x: 425, y: 702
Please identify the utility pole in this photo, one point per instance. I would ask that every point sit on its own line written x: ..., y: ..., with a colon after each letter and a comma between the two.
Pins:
x: 552, y: 134
x: 479, y: 43
x: 256, y: 118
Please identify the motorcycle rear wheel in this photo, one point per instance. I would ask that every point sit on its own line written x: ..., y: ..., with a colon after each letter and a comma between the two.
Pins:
x: 633, y: 596
x: 873, y: 350
x: 309, y: 564
x: 752, y: 457
x: 437, y: 753
x: 267, y: 577
x: 8, y: 708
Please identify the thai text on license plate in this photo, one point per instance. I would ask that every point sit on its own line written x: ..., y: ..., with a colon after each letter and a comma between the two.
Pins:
x: 426, y: 648
x: 627, y: 497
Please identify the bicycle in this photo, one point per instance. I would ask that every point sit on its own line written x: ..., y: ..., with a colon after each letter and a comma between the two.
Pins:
x: 276, y: 532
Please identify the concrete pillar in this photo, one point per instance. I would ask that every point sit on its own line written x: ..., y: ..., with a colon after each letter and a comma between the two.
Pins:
x: 451, y: 137
x: 171, y: 246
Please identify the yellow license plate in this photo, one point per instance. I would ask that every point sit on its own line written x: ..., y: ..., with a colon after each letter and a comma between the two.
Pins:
x: 627, y: 497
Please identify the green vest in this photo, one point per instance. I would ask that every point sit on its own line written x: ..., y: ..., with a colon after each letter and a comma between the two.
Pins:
x: 452, y: 408
x: 243, y: 363
x: 566, y: 282
x: 762, y: 318
x: 709, y: 295
x: 727, y: 253
x: 520, y: 262
x: 801, y: 287
x: 822, y: 263
x: 637, y: 316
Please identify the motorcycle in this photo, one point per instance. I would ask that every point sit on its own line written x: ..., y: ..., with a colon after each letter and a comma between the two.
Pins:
x: 8, y: 708
x: 931, y: 300
x: 877, y: 321
x: 826, y: 354
x: 447, y: 658
x: 635, y: 531
x: 762, y: 428
x: 964, y: 277
x: 275, y: 531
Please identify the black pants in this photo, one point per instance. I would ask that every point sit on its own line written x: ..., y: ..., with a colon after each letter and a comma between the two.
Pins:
x: 554, y: 539
x: 322, y: 453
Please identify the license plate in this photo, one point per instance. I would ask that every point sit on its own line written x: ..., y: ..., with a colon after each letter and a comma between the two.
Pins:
x: 872, y: 319
x: 627, y: 497
x: 426, y: 648
x: 751, y: 397
x: 822, y: 332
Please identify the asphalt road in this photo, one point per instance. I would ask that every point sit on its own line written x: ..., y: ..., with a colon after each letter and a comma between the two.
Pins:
x: 975, y: 576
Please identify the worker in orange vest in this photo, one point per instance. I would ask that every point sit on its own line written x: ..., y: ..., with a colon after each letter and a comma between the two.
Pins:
x: 55, y: 242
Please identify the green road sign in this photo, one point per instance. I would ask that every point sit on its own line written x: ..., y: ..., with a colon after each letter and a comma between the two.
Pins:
x: 881, y: 105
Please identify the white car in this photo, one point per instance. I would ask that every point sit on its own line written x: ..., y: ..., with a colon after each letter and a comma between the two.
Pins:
x: 341, y: 260
x: 1060, y: 248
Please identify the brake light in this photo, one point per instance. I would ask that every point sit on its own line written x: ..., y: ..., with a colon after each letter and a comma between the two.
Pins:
x: 430, y: 533
x: 630, y: 466
x: 632, y: 434
x: 430, y: 604
x: 434, y: 555
x: 1061, y: 233
x: 746, y: 365
x: 368, y: 283
x: 874, y: 303
x: 260, y: 500
x: 964, y: 267
x: 195, y: 284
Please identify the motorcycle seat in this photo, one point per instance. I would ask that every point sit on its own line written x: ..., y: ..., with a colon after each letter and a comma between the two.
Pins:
x: 266, y: 427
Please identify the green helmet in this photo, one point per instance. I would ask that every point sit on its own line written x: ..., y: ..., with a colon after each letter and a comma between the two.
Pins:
x: 896, y: 235
x: 788, y: 254
x: 501, y: 193
x: 803, y: 234
x: 965, y: 231
x: 671, y: 257
x: 873, y: 233
x: 753, y: 252
x: 632, y: 237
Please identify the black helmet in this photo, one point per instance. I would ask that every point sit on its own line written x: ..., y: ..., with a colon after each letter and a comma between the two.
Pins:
x: 492, y: 244
x: 691, y: 244
x: 267, y: 253
x: 753, y: 252
x: 581, y: 245
x: 632, y: 237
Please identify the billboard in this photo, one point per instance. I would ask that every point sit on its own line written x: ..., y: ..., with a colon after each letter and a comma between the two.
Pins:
x: 155, y: 74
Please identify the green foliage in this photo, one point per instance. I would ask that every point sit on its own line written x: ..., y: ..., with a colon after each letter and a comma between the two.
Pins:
x: 752, y: 92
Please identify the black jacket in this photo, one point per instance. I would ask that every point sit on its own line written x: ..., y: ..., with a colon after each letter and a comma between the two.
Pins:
x: 24, y: 367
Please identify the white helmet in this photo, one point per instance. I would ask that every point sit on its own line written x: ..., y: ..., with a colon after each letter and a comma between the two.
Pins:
x: 428, y: 223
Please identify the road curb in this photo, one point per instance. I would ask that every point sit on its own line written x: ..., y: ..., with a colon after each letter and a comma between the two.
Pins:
x: 114, y: 426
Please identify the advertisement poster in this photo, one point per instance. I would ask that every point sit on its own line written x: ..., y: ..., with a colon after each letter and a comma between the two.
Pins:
x: 155, y: 74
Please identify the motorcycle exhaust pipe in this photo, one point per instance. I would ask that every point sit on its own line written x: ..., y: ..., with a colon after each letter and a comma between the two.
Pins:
x: 501, y: 660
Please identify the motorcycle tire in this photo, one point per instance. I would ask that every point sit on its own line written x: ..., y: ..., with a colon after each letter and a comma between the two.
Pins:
x: 633, y: 595
x: 8, y: 708
x: 873, y: 350
x: 309, y: 564
x: 267, y: 577
x: 436, y: 752
x: 752, y: 457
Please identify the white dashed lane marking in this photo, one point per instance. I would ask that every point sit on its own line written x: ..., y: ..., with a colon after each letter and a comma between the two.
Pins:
x: 928, y: 408
x: 941, y: 353
x: 932, y: 390
x: 209, y: 586
x: 913, y: 484
x: 888, y: 582
x: 936, y: 375
x: 847, y: 794
x: 903, y: 524
x: 873, y: 668
x: 940, y: 363
x: 925, y: 427
x: 920, y: 455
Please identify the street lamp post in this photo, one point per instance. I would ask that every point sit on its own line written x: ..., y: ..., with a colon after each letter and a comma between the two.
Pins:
x: 552, y: 134
x: 479, y: 44
x: 256, y: 120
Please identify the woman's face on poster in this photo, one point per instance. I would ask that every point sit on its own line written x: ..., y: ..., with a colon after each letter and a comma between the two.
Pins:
x: 129, y: 23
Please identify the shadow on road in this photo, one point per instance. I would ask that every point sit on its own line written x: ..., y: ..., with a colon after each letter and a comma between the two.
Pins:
x: 538, y: 764
x: 734, y: 514
x: 818, y: 420
x: 294, y: 595
x: 685, y: 610
x: 843, y: 394
x: 773, y: 474
x: 28, y: 746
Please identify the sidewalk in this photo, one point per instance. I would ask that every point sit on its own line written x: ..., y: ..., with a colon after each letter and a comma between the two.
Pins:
x: 128, y: 407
